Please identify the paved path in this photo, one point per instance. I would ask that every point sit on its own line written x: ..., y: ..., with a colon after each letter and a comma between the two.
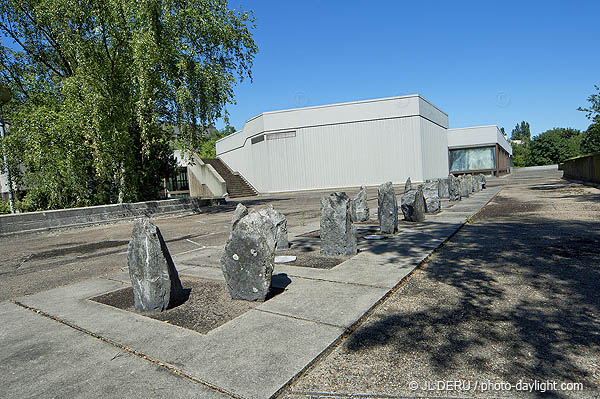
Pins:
x: 367, y: 325
x: 513, y: 296
x: 253, y: 356
x: 37, y: 262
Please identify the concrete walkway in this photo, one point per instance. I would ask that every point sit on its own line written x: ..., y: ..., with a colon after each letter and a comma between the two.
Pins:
x: 58, y: 343
x: 513, y: 297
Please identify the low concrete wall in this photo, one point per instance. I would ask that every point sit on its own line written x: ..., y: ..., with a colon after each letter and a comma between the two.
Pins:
x: 586, y: 168
x: 38, y: 221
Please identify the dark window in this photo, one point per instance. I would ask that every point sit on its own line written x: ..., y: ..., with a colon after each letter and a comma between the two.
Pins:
x: 179, y: 180
x: 257, y: 139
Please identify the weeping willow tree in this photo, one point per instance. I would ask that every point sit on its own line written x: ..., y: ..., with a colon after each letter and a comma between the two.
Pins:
x: 98, y: 86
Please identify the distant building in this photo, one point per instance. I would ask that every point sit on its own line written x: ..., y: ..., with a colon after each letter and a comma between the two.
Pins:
x: 340, y: 145
x: 479, y: 149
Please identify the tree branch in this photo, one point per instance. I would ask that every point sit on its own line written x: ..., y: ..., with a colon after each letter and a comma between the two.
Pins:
x: 28, y: 51
x: 52, y: 42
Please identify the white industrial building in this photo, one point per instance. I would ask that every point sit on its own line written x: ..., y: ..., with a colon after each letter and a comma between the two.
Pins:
x: 340, y: 145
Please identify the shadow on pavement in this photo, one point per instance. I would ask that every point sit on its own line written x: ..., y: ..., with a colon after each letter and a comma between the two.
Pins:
x: 515, y: 299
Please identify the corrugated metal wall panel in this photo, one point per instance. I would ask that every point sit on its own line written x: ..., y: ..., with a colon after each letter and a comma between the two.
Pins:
x: 434, y: 150
x: 346, y: 154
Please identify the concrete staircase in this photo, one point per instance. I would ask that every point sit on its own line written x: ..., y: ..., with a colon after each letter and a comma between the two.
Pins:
x: 237, y: 186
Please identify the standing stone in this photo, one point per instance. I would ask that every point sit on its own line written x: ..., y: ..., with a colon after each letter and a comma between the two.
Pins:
x: 387, y: 208
x: 408, y: 185
x: 453, y: 188
x: 432, y: 197
x: 280, y: 225
x: 482, y: 180
x: 359, y: 207
x: 155, y: 281
x: 240, y: 212
x: 412, y: 204
x: 338, y: 234
x: 471, y: 183
x: 465, y: 190
x: 444, y: 189
x: 248, y: 260
x: 476, y: 185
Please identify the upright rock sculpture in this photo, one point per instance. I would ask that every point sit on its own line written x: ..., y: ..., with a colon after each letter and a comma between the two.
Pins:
x: 412, y: 204
x: 432, y: 197
x: 444, y: 189
x: 453, y: 188
x: 408, y: 185
x: 471, y: 181
x: 338, y: 234
x: 482, y: 180
x: 465, y: 190
x: 359, y: 208
x: 387, y: 208
x: 248, y: 260
x: 155, y: 281
x: 280, y: 224
x: 476, y: 185
x: 239, y: 213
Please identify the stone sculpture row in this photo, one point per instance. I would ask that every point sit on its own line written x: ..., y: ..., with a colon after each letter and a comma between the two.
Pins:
x: 248, y: 260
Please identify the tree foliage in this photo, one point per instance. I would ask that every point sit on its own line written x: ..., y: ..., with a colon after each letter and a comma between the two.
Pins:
x: 521, y: 155
x: 591, y: 140
x: 555, y: 145
x: 592, y: 111
x: 521, y: 132
x: 208, y: 148
x: 98, y: 86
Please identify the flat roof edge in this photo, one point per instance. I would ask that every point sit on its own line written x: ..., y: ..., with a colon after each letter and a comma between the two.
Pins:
x: 474, y: 127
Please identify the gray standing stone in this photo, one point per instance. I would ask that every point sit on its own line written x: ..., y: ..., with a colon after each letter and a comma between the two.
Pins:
x: 432, y: 197
x: 453, y: 188
x: 412, y: 204
x: 240, y: 212
x: 387, y: 210
x: 280, y: 224
x: 338, y: 234
x: 444, y: 189
x: 471, y: 181
x: 476, y: 185
x: 482, y: 180
x: 465, y: 190
x: 248, y: 260
x: 359, y: 208
x: 408, y: 185
x: 155, y: 281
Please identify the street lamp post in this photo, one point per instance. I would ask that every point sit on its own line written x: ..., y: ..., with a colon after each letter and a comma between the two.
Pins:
x: 5, y: 96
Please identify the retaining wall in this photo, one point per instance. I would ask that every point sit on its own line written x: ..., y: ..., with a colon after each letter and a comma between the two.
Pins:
x: 38, y: 221
x: 586, y: 168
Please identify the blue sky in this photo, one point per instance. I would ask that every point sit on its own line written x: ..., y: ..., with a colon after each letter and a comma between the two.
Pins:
x: 481, y: 62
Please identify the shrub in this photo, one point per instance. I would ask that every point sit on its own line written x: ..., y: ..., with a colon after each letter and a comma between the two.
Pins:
x: 4, y: 207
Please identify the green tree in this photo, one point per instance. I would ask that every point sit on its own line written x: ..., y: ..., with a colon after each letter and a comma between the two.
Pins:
x: 100, y: 84
x: 208, y: 148
x: 4, y: 207
x: 521, y: 155
x: 555, y: 145
x: 591, y: 140
x: 592, y: 112
x: 521, y: 132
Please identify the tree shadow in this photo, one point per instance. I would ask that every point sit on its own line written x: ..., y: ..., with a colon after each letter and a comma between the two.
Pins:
x: 511, y: 299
